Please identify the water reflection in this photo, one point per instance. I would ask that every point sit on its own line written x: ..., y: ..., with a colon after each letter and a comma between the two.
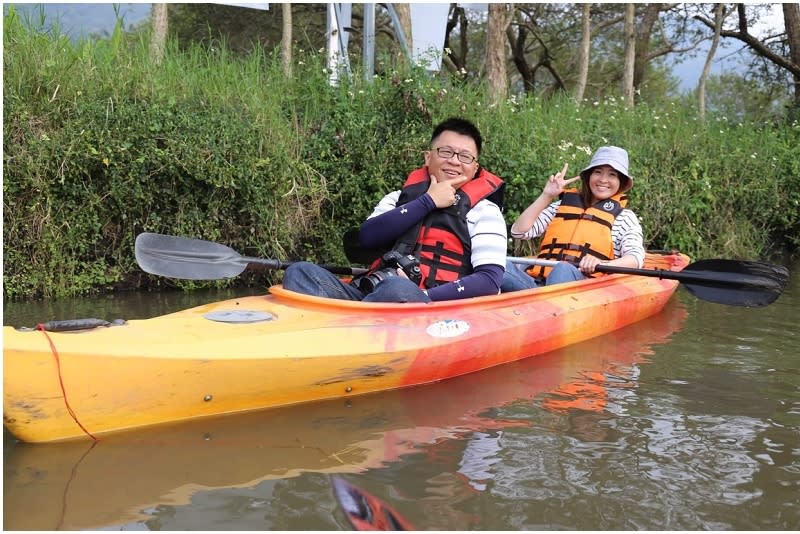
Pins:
x: 236, y: 472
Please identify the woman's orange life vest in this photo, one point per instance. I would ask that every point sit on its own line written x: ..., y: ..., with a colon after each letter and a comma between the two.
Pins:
x: 441, y: 240
x: 577, y: 230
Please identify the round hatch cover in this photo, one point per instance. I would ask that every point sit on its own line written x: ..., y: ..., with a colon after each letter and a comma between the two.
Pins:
x: 239, y: 316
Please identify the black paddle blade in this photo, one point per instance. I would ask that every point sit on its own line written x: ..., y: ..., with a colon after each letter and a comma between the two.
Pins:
x: 733, y: 282
x: 186, y: 258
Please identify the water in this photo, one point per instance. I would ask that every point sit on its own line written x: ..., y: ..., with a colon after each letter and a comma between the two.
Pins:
x: 689, y: 420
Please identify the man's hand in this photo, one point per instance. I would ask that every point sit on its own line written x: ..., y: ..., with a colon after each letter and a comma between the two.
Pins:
x: 443, y: 192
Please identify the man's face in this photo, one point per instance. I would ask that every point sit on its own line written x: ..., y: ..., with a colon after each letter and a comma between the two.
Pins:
x: 458, y: 147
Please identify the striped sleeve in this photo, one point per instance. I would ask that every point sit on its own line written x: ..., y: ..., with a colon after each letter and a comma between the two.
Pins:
x: 541, y: 223
x: 628, y: 237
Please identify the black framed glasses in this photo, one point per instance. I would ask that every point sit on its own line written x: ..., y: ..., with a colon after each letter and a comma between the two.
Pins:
x: 464, y: 157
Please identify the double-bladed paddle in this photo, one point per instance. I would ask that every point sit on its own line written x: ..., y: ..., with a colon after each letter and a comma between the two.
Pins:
x: 737, y: 283
x: 195, y: 259
x: 733, y: 282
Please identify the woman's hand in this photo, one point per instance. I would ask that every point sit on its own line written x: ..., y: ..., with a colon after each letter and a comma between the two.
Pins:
x: 556, y: 184
x: 589, y: 263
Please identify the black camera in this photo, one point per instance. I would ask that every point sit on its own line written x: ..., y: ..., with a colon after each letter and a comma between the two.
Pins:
x: 389, y: 264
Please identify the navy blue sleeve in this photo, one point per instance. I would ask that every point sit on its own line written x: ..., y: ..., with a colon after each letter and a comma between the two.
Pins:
x: 485, y: 280
x: 388, y: 226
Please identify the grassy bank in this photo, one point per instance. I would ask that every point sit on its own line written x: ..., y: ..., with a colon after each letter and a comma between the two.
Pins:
x: 100, y: 145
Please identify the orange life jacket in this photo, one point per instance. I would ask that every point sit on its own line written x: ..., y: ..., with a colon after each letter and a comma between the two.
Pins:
x: 577, y: 230
x: 441, y: 240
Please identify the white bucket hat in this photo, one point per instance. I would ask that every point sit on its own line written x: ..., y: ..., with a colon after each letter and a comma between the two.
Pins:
x: 614, y: 156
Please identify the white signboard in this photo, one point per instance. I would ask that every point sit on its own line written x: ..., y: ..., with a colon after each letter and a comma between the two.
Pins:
x: 428, y: 23
x: 252, y: 5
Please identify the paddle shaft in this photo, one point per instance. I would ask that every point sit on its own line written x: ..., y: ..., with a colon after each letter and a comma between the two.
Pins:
x: 738, y: 283
x: 686, y: 275
x: 281, y: 265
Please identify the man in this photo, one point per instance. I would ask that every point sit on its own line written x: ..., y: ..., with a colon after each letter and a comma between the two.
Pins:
x: 442, y: 217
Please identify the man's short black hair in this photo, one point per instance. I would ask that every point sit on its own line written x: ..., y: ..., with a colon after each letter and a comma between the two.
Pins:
x: 460, y: 126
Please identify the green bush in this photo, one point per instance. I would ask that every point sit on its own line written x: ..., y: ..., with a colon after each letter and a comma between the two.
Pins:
x: 100, y: 144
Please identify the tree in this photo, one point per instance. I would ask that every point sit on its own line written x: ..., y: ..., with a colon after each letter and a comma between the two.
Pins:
x: 791, y: 21
x: 540, y: 41
x: 500, y: 16
x: 781, y: 50
x: 455, y: 62
x: 158, y: 40
x: 630, y: 54
x: 404, y: 14
x: 583, y: 55
x: 286, y: 39
x: 719, y: 16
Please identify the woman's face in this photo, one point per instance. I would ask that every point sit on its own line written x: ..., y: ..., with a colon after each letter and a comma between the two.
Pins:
x: 604, y: 182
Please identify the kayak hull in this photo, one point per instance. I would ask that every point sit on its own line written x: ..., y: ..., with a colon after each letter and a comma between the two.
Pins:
x: 286, y: 348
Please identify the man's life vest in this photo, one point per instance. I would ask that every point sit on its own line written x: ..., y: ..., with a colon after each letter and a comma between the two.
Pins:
x: 577, y: 230
x: 441, y: 240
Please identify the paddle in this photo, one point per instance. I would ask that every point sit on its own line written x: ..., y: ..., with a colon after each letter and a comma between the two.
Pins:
x: 195, y: 259
x: 737, y: 283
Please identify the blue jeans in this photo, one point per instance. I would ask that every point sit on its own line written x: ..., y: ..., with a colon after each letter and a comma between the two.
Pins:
x: 564, y: 272
x: 311, y: 279
x: 516, y: 279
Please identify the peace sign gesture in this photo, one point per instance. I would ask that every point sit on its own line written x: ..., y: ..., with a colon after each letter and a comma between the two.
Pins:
x: 556, y: 184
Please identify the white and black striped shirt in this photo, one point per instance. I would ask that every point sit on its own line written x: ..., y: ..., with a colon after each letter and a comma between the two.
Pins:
x: 626, y: 233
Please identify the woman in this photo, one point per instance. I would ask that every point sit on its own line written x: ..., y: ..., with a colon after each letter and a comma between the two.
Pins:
x: 582, y: 228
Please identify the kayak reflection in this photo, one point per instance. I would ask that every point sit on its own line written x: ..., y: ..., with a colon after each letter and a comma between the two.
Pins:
x: 364, y: 510
x: 122, y: 478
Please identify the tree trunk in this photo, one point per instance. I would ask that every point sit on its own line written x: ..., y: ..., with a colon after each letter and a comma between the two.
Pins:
x: 158, y: 40
x: 791, y: 20
x: 456, y: 60
x: 644, y: 31
x: 583, y: 54
x: 719, y: 16
x: 404, y: 14
x: 630, y: 54
x: 286, y: 39
x: 499, y: 19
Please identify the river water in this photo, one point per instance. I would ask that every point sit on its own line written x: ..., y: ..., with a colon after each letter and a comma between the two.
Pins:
x: 689, y: 420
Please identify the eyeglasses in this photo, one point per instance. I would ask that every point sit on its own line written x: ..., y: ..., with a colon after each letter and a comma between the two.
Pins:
x: 447, y: 153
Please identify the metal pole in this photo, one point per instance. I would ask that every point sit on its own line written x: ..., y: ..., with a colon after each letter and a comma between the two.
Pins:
x: 337, y: 53
x: 369, y: 41
x: 398, y: 30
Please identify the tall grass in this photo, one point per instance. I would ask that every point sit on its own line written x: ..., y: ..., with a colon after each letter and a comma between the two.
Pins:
x: 101, y: 144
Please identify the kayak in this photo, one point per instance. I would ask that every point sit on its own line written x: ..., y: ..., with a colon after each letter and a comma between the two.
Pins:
x: 286, y: 348
x: 167, y: 467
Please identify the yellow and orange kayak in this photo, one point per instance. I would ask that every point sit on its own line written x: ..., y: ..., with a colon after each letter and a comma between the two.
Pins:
x: 286, y: 348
